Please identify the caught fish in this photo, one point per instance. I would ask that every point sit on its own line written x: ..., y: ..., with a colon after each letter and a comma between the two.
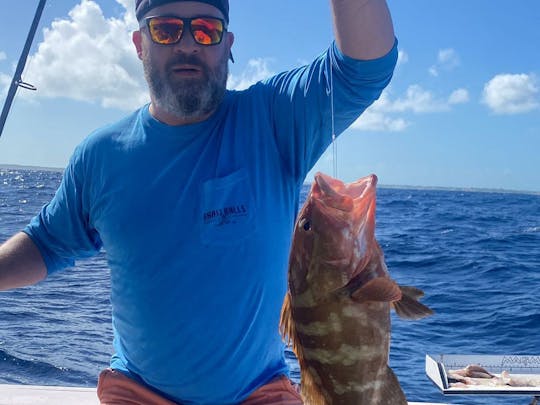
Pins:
x: 475, y: 375
x: 336, y: 313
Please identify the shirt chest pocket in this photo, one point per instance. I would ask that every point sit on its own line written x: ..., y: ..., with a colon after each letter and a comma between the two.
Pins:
x: 228, y: 209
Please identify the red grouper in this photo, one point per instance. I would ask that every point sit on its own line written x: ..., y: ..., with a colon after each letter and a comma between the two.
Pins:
x: 336, y: 313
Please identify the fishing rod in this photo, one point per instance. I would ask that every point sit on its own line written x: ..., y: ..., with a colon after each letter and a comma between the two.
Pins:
x: 17, y: 81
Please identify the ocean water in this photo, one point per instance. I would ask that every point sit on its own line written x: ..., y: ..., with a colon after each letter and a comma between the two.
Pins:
x: 476, y: 255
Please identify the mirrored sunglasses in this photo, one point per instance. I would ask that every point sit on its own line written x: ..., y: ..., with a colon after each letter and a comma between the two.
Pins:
x: 166, y: 30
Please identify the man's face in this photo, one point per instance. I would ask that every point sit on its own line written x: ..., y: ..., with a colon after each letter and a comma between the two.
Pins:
x: 186, y: 80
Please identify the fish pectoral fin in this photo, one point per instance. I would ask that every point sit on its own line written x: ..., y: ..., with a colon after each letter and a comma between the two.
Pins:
x: 287, y: 328
x: 408, y: 307
x: 380, y: 289
x: 288, y: 331
x: 412, y: 292
x: 286, y: 324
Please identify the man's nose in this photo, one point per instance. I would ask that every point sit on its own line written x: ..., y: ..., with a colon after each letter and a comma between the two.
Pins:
x: 187, y: 43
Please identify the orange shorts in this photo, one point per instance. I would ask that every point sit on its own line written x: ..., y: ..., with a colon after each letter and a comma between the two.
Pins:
x: 114, y: 388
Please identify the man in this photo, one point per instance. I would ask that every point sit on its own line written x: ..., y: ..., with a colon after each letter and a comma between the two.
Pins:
x: 194, y: 197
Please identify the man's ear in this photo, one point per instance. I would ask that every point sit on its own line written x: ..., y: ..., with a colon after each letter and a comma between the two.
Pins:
x: 136, y: 37
x: 230, y: 40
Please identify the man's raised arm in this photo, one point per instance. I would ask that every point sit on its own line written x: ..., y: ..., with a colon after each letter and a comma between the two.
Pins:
x: 363, y: 28
x: 21, y: 263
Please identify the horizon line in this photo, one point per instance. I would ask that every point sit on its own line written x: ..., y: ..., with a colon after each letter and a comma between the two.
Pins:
x: 391, y: 186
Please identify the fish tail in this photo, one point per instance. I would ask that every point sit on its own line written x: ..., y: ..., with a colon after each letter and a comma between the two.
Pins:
x: 408, y: 307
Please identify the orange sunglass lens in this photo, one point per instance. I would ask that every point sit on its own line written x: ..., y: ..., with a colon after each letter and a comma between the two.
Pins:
x: 166, y: 30
x: 207, y: 31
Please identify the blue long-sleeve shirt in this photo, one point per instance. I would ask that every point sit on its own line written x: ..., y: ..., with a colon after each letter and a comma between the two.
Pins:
x: 196, y: 222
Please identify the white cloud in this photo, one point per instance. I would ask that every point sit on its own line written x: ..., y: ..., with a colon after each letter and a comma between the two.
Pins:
x: 459, y: 96
x: 447, y: 59
x: 403, y: 58
x: 256, y: 70
x: 130, y: 12
x: 89, y: 57
x: 418, y: 100
x: 5, y: 82
x: 381, y: 115
x: 512, y: 94
x: 372, y: 120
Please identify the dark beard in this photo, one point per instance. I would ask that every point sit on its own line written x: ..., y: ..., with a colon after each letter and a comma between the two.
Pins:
x: 192, y: 98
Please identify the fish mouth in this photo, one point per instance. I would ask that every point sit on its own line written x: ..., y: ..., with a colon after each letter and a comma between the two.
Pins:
x: 325, y: 190
x: 349, y: 210
x: 344, y: 197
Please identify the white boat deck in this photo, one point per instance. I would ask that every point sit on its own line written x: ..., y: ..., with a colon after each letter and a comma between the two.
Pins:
x: 41, y: 395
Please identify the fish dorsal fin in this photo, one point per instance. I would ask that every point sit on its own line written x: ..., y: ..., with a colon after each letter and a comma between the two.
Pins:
x: 380, y: 289
x: 408, y: 307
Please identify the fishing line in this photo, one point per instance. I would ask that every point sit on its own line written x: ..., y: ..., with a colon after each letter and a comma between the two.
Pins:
x: 334, y: 141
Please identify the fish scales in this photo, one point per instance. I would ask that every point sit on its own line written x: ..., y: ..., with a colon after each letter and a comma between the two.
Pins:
x: 336, y: 313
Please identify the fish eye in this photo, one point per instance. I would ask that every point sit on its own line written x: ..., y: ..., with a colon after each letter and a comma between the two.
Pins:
x: 305, y: 224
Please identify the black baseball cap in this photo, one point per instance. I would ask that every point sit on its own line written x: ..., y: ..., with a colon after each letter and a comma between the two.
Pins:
x: 143, y: 6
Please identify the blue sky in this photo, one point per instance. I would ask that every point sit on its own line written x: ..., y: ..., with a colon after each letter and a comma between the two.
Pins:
x: 463, y: 108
